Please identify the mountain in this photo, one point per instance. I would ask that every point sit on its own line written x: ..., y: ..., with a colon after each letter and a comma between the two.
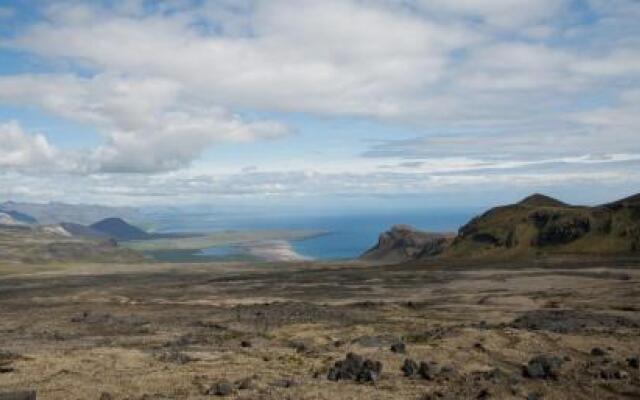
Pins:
x: 6, y: 219
x: 540, y: 200
x: 630, y: 201
x: 21, y: 217
x: 541, y: 225
x: 51, y: 243
x: 55, y: 212
x: 79, y: 230
x: 119, y: 229
x: 16, y: 218
x: 403, y: 243
x: 536, y: 226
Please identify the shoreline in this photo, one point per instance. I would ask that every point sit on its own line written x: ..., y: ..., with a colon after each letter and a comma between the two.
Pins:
x: 278, y: 250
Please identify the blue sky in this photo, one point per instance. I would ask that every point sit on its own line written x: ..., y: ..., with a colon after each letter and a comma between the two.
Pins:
x: 368, y: 102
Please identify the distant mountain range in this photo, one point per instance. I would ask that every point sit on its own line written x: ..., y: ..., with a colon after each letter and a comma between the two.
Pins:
x: 79, y: 220
x: 118, y: 229
x: 19, y: 217
x: 537, y: 225
x: 75, y: 219
x: 55, y: 213
x: 51, y: 243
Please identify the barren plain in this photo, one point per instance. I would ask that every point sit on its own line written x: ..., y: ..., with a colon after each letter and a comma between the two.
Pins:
x: 558, y: 329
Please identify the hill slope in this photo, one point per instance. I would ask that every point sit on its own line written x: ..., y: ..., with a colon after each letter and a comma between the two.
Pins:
x: 22, y: 244
x: 20, y: 217
x: 118, y: 229
x: 536, y: 226
x: 79, y: 230
x: 6, y: 219
x: 542, y: 225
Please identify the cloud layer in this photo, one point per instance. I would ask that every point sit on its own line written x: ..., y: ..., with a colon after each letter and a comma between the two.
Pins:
x: 494, y: 83
x: 148, y: 124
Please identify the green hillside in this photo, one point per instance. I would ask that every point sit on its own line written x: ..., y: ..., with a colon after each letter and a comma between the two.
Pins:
x: 541, y: 225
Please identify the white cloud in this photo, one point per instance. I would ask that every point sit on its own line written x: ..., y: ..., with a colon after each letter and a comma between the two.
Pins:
x: 373, y: 58
x: 20, y: 150
x: 149, y: 124
x: 178, y: 138
x: 333, y: 57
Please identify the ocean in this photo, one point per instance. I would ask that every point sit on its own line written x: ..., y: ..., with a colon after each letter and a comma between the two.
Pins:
x: 347, y: 235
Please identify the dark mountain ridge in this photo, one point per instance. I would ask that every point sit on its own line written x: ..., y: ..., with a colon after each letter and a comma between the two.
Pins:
x: 540, y: 225
x: 119, y: 229
x: 83, y: 231
x: 20, y: 217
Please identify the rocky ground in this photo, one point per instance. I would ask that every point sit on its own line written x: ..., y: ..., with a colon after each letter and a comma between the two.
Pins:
x: 555, y: 330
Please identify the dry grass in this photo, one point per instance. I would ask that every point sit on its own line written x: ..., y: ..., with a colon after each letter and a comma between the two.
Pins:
x: 139, y: 312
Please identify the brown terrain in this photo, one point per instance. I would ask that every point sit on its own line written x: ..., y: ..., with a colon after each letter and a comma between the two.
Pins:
x: 554, y: 329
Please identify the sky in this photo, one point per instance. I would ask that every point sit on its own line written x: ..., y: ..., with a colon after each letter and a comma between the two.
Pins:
x: 359, y: 104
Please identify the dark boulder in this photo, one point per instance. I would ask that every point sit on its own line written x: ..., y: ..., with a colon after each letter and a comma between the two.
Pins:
x: 355, y: 367
x: 613, y: 373
x: 543, y: 367
x: 483, y: 394
x: 399, y: 347
x: 300, y: 347
x: 223, y: 388
x: 409, y: 368
x: 429, y: 370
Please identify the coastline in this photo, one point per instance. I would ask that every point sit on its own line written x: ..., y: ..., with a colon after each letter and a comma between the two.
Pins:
x: 255, y: 246
x: 277, y: 250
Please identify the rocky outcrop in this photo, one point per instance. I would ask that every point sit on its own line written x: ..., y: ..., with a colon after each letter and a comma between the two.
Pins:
x: 404, y: 243
x: 355, y: 367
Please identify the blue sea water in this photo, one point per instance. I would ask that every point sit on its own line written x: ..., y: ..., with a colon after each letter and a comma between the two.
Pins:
x: 348, y: 235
